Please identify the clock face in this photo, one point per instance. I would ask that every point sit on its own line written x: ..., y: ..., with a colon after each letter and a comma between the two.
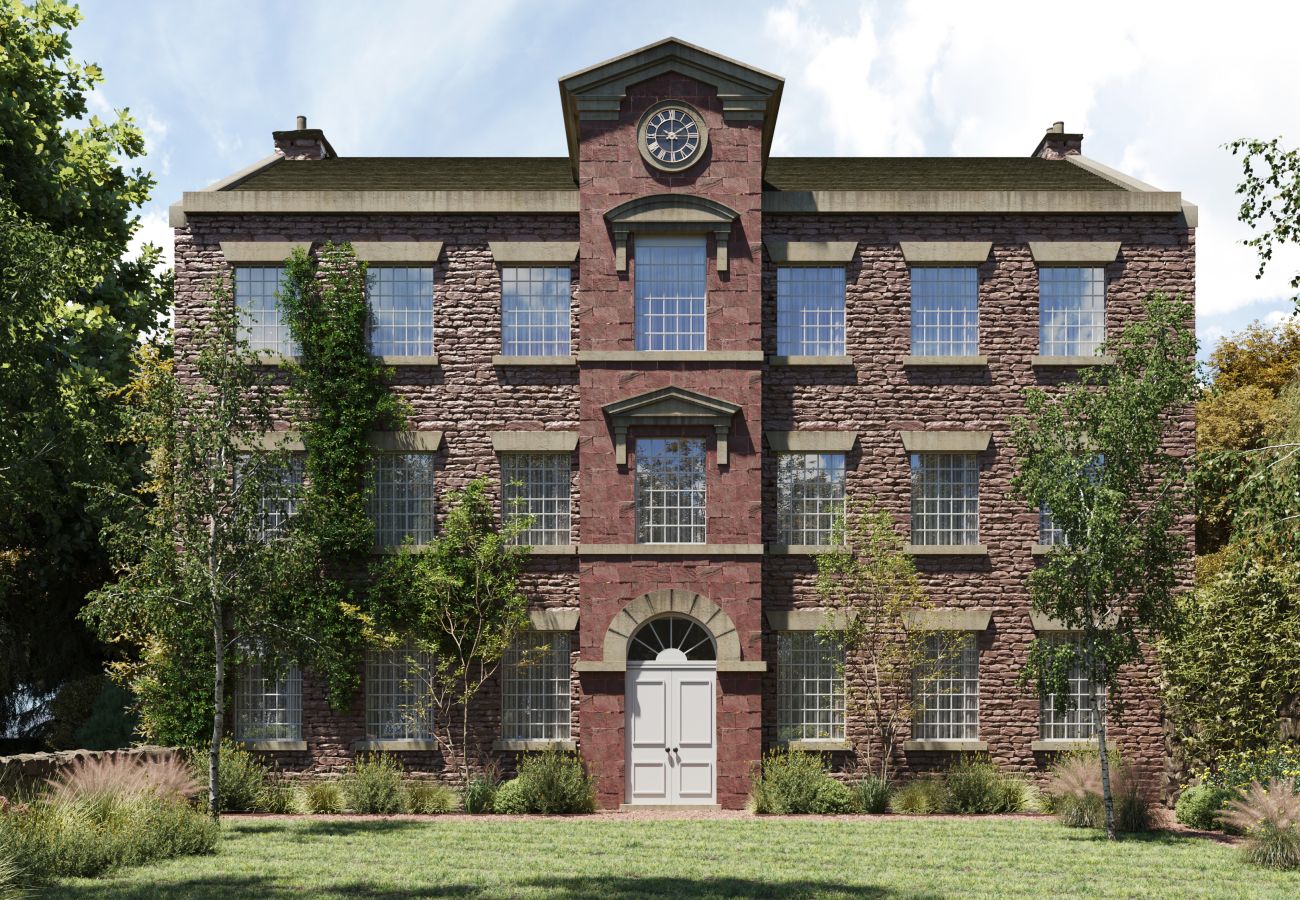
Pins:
x: 672, y: 137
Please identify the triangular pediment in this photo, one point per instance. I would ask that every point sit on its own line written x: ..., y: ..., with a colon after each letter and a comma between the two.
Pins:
x: 671, y: 406
x: 597, y: 92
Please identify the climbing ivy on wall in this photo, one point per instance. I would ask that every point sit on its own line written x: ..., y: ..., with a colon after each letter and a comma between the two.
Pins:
x: 338, y: 393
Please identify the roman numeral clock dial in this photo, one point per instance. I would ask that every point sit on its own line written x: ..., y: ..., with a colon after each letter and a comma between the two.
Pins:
x: 672, y: 136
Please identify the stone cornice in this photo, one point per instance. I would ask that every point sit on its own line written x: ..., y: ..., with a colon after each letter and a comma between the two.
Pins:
x: 972, y: 202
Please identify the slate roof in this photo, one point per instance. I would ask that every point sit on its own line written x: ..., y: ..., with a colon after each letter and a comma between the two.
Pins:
x: 797, y: 173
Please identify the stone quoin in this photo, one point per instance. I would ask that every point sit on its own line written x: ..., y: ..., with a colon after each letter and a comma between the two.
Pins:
x: 685, y: 353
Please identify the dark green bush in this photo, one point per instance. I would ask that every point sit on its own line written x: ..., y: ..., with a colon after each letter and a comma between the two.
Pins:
x: 510, y: 800
x: 871, y: 795
x: 923, y: 796
x: 786, y: 783
x: 555, y: 782
x: 374, y: 785
x: 975, y: 786
x: 1200, y: 805
x: 324, y: 798
x: 833, y: 798
x: 427, y: 798
x: 480, y: 795
x: 241, y: 778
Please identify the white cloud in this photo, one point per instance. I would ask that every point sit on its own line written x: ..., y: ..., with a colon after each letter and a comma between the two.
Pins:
x: 1157, y: 89
x: 153, y: 229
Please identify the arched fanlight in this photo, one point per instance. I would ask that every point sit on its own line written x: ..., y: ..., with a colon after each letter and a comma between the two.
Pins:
x: 671, y: 639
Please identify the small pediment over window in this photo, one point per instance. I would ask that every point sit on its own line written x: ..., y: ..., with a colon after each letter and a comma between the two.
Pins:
x: 672, y: 214
x: 670, y: 406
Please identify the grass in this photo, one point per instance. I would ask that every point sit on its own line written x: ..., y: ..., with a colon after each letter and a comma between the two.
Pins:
x: 601, y: 857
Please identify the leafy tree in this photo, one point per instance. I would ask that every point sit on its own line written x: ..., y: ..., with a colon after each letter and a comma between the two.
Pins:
x: 72, y: 315
x: 459, y: 600
x: 199, y: 577
x: 868, y: 586
x: 1097, y: 455
x: 1270, y: 192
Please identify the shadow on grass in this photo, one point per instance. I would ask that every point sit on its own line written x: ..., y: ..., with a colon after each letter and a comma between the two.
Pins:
x: 577, y: 888
x: 323, y: 827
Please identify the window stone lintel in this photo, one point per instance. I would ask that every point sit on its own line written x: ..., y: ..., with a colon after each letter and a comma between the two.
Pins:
x: 553, y: 619
x: 1082, y: 253
x: 553, y: 253
x: 946, y: 441
x: 426, y: 252
x: 534, y: 441
x: 945, y: 253
x: 805, y: 619
x: 810, y: 253
x: 811, y: 441
x: 948, y: 619
x: 671, y: 406
x: 260, y: 252
x: 671, y: 214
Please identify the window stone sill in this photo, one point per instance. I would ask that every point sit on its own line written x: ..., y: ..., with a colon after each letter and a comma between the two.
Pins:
x: 676, y: 356
x: 814, y: 746
x: 947, y: 550
x: 1072, y: 362
x: 534, y: 360
x: 1040, y: 549
x: 945, y: 362
x: 429, y: 361
x: 801, y: 549
x: 525, y: 746
x: 670, y: 549
x: 945, y: 746
x: 554, y: 550
x: 1060, y: 746
x: 272, y: 746
x: 274, y: 360
x: 810, y: 360
x: 394, y: 746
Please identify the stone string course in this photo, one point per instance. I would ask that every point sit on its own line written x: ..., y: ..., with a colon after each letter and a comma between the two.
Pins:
x: 467, y: 397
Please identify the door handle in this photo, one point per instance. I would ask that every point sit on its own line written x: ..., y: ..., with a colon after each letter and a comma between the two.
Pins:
x: 668, y: 750
x: 675, y: 751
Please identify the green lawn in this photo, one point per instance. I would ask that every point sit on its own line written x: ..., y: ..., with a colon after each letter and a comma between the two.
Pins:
x: 607, y: 856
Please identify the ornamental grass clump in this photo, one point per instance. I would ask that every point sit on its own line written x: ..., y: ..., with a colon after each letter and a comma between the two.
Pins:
x: 374, y: 786
x: 426, y: 798
x: 1074, y: 793
x: 922, y: 796
x: 241, y: 778
x: 975, y: 786
x: 871, y: 795
x: 480, y: 795
x: 1269, y: 817
x: 324, y: 798
x: 279, y: 797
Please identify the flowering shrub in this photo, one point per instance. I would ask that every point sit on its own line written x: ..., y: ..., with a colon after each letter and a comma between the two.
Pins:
x: 1237, y: 771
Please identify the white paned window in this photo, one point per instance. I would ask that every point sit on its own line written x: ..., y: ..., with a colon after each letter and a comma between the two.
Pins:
x: 261, y: 319
x: 945, y: 499
x: 810, y: 496
x: 535, y: 688
x: 670, y: 505
x: 810, y: 687
x: 671, y: 279
x: 948, y: 694
x: 280, y: 496
x: 537, y: 485
x: 945, y: 312
x: 1072, y: 311
x: 810, y: 311
x: 401, y: 503
x: 399, y: 695
x: 535, y: 311
x: 268, y: 705
x: 401, y: 310
x: 1049, y: 533
x: 1077, y: 724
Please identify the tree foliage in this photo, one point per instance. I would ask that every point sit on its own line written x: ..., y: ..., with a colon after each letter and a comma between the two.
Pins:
x: 458, y: 599
x: 72, y: 315
x: 868, y: 586
x: 1097, y: 454
x: 1270, y: 198
x: 199, y: 575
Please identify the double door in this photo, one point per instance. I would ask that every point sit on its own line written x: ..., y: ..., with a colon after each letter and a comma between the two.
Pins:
x: 671, y: 733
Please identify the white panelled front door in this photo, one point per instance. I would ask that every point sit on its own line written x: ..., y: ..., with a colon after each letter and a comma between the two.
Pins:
x: 671, y: 732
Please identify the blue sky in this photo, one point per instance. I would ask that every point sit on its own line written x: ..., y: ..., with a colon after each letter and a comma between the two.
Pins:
x: 1156, y: 87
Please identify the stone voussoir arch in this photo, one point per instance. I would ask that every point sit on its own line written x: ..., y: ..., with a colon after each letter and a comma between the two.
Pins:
x: 674, y: 601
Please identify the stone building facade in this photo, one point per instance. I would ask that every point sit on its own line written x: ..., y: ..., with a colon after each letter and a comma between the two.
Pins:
x: 684, y: 354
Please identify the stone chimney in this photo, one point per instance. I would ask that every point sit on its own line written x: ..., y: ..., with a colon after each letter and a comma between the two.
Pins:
x: 303, y: 142
x: 1056, y: 144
